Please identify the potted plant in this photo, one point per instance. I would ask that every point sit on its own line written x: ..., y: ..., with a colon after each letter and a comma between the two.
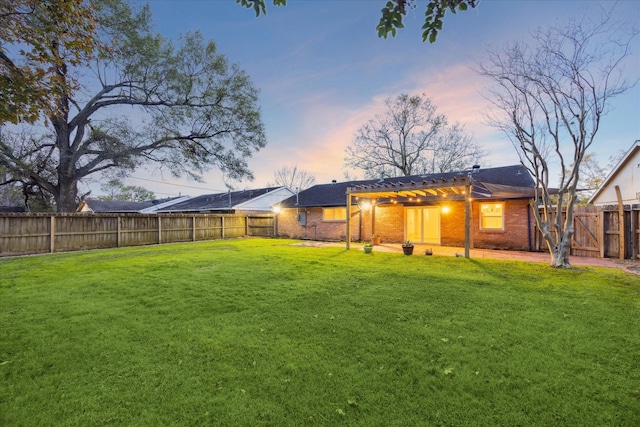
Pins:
x: 375, y: 239
x: 407, y: 247
x: 368, y: 248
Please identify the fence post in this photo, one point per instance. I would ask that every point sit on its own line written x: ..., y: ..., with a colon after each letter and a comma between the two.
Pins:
x: 620, y: 221
x: 52, y: 238
x: 601, y: 233
x: 222, y: 226
x: 159, y: 229
x: 119, y: 231
x: 246, y: 225
x: 193, y: 228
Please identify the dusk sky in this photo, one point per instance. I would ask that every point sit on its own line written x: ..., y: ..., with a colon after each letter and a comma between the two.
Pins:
x: 323, y: 72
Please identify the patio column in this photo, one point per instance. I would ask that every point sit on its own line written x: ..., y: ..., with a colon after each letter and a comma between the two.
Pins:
x: 348, y: 220
x: 467, y: 220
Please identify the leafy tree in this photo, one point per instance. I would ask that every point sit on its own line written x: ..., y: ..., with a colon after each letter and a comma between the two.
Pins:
x: 294, y: 178
x: 409, y: 139
x: 182, y: 106
x: 117, y: 191
x: 393, y: 13
x: 39, y: 39
x: 592, y: 175
x: 550, y: 98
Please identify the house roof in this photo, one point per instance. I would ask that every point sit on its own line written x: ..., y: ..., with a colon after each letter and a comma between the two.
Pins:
x: 163, y: 204
x: 218, y: 201
x: 104, y: 206
x: 635, y: 149
x: 501, y: 182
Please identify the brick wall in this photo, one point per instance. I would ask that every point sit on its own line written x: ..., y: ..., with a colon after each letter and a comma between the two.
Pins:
x: 389, y: 225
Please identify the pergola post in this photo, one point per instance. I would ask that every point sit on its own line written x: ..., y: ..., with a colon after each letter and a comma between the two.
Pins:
x: 467, y: 220
x: 348, y: 220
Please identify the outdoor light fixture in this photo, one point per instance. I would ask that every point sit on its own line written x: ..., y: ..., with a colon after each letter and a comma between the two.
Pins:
x: 365, y: 205
x: 276, y: 209
x: 445, y: 209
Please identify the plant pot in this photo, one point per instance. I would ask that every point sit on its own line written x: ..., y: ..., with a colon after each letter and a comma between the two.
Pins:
x: 408, y: 250
x: 375, y: 241
x: 368, y: 249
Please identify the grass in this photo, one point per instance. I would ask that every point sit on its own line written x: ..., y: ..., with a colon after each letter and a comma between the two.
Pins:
x: 258, y: 332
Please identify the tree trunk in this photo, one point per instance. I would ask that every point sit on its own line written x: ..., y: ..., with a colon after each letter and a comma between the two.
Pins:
x: 559, y: 247
x: 66, y: 194
x: 560, y: 256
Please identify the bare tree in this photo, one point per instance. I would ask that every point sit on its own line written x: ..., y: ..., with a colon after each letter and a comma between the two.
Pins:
x: 550, y: 98
x: 294, y: 178
x: 410, y: 138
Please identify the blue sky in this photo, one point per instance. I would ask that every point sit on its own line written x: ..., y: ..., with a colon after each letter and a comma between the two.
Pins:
x: 322, y: 73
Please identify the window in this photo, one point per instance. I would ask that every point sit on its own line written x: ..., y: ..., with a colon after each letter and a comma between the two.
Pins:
x: 491, y: 216
x: 334, y: 214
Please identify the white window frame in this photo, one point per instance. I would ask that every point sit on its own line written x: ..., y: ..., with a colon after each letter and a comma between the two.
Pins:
x: 483, y: 216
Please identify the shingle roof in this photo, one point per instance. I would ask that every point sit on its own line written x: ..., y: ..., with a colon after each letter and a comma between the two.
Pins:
x: 217, y: 201
x: 503, y: 178
x: 116, y: 206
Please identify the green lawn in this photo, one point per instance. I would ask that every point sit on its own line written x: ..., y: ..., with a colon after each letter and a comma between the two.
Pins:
x: 258, y: 332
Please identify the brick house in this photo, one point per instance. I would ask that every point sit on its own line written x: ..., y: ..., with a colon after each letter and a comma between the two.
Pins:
x: 429, y: 209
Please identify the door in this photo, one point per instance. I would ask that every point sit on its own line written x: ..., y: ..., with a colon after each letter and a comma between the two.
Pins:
x: 422, y: 225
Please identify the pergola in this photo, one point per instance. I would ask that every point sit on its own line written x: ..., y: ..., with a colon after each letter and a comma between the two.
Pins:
x: 427, y: 188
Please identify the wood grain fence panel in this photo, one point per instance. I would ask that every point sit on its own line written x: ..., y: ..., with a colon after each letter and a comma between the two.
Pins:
x: 75, y: 232
x: 262, y: 226
x: 176, y: 229
x: 208, y: 227
x: 234, y: 226
x: 138, y: 230
x: 611, y: 234
x: 24, y: 234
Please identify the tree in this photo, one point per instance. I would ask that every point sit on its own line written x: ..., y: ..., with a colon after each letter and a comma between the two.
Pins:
x: 294, y: 178
x: 550, y: 99
x: 393, y: 13
x: 32, y: 76
x: 22, y: 144
x: 182, y: 106
x: 592, y: 175
x: 409, y: 139
x: 117, y: 191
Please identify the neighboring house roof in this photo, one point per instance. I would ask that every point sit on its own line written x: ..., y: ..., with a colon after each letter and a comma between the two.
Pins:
x: 163, y: 204
x: 626, y: 175
x: 501, y: 182
x: 104, y: 206
x: 259, y: 199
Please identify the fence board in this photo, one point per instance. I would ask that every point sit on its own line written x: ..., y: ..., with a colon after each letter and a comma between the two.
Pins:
x: 22, y: 234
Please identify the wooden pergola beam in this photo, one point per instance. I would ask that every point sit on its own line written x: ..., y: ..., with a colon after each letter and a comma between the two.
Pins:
x: 456, y: 185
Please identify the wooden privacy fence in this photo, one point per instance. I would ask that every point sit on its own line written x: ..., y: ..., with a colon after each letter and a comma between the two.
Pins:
x: 604, y: 232
x: 22, y: 234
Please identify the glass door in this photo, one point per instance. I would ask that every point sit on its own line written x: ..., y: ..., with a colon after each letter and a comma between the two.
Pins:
x: 422, y: 225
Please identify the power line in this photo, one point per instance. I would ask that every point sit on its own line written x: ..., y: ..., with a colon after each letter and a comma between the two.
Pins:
x: 177, y: 185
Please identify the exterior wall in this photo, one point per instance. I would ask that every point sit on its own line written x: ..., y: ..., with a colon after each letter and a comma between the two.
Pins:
x: 389, y: 225
x: 518, y: 228
x: 627, y: 177
x: 316, y: 228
